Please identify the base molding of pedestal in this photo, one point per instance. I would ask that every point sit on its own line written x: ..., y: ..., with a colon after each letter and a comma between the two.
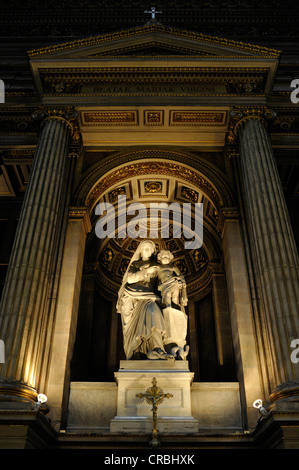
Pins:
x: 144, y: 425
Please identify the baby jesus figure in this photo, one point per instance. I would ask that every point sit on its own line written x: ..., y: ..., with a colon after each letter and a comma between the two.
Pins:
x: 172, y: 283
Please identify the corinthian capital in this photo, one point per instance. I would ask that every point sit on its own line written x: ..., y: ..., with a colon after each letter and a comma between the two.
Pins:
x: 67, y: 114
x: 241, y: 114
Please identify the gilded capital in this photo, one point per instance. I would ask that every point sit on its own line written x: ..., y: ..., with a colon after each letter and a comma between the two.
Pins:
x: 241, y: 114
x: 67, y: 114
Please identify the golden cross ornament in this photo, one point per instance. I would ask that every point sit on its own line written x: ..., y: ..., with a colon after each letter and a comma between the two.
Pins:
x: 154, y: 396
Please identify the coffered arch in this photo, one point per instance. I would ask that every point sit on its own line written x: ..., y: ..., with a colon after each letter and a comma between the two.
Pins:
x: 185, y: 165
x: 155, y: 176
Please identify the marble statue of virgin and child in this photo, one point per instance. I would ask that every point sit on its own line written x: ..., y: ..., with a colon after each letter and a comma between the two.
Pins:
x: 151, y: 302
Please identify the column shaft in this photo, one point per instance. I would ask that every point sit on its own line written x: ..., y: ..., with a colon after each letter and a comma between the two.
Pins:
x: 277, y: 255
x: 23, y: 319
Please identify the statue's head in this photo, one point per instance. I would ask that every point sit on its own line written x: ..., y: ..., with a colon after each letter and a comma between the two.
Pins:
x: 147, y: 248
x: 165, y: 256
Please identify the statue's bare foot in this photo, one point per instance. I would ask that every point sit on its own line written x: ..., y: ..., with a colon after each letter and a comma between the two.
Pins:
x: 158, y: 353
x: 183, y: 353
x: 169, y: 357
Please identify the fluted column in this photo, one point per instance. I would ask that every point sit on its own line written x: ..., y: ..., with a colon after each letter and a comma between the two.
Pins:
x: 24, y: 323
x: 276, y: 252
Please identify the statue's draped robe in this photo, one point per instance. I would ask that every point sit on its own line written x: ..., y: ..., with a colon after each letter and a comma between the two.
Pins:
x: 142, y: 319
x: 171, y: 285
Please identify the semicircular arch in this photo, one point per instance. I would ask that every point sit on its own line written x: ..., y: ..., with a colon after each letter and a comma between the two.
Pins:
x: 188, y: 167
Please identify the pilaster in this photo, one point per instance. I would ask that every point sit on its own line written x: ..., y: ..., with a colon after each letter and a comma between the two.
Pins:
x: 64, y: 332
x: 242, y: 322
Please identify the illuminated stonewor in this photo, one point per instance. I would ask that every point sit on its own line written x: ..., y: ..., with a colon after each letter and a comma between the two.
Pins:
x: 154, y: 113
x: 278, y: 264
x: 154, y: 321
x: 151, y: 302
x: 154, y: 396
x: 134, y: 417
x: 25, y: 323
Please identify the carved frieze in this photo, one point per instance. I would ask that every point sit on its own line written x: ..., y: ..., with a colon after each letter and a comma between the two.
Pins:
x: 95, y: 118
x: 155, y: 80
x: 198, y: 118
x: 154, y: 118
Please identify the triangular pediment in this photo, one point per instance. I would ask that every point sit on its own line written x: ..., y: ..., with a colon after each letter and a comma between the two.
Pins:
x: 153, y: 61
x: 152, y: 40
x: 152, y: 49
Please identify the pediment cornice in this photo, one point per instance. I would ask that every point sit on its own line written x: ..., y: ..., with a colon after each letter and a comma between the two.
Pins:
x: 188, y: 42
x: 153, y: 61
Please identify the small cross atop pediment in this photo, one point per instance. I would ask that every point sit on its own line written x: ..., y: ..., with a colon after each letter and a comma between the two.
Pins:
x: 153, y: 14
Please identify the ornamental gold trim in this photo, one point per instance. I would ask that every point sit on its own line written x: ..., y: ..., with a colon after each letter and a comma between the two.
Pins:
x: 80, y: 213
x: 153, y: 28
x: 130, y: 69
x: 124, y: 118
x: 155, y: 80
x: 227, y: 214
x: 241, y: 114
x: 67, y: 114
x: 152, y: 168
x: 210, y: 173
x: 154, y: 117
x: 207, y: 118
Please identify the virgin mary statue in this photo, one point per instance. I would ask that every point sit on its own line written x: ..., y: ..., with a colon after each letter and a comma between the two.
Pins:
x: 144, y: 332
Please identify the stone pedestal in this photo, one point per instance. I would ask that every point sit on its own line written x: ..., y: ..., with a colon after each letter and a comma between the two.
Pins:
x: 134, y: 415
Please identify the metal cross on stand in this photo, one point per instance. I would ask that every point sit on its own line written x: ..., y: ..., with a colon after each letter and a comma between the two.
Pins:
x: 154, y: 396
x: 153, y: 12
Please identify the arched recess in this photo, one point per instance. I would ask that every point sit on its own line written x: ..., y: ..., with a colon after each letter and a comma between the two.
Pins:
x: 153, y: 177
